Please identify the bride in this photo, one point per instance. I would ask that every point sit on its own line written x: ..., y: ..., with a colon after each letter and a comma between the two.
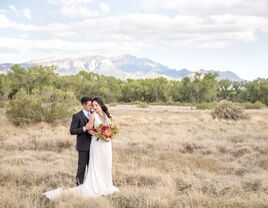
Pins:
x: 98, y: 180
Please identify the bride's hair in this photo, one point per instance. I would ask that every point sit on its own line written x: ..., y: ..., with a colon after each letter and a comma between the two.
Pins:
x: 102, y: 105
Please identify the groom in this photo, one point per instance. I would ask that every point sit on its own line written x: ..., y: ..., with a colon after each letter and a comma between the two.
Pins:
x: 79, y: 127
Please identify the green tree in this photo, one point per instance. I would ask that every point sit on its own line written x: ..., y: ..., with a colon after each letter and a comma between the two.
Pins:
x: 204, y: 87
x: 132, y: 91
x: 156, y: 90
x: 198, y: 89
x: 210, y: 87
x: 5, y: 83
x: 255, y: 90
x: 185, y: 90
x: 28, y: 79
x: 47, y: 104
x: 237, y: 90
x: 176, y: 86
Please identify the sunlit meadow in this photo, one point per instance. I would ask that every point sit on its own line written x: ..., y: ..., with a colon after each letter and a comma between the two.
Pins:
x: 163, y: 157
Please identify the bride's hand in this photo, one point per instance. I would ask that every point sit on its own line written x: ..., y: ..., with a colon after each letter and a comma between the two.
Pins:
x: 91, y: 131
x: 88, y: 126
x: 90, y: 123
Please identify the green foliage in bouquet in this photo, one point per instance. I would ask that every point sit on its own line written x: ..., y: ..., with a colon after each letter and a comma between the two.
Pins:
x: 47, y: 104
x: 229, y: 111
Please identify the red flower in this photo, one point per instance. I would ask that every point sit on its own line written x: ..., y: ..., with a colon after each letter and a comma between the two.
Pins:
x: 103, y: 128
x: 108, y: 133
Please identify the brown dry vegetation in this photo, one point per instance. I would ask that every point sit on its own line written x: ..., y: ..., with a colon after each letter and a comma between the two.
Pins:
x: 163, y: 157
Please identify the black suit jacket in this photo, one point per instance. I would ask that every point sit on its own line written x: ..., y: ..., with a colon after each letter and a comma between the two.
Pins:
x: 83, y: 141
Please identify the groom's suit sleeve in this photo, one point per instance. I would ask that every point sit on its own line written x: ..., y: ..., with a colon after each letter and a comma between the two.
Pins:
x: 75, y: 129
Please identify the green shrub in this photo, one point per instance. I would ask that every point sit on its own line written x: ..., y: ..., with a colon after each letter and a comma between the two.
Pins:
x: 47, y: 104
x: 256, y: 105
x: 142, y: 105
x: 136, y: 102
x: 2, y: 104
x: 183, y: 104
x: 229, y: 111
x: 112, y: 104
x: 205, y: 106
x: 161, y: 103
x: 171, y: 103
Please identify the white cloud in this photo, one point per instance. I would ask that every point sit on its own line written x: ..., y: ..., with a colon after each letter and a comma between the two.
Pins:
x: 27, y: 13
x: 4, y: 21
x: 77, y: 12
x: 70, y: 2
x: 24, y: 12
x: 149, y: 29
x: 207, y: 7
x: 80, y: 8
x: 75, y: 8
x: 13, y: 8
x: 104, y: 8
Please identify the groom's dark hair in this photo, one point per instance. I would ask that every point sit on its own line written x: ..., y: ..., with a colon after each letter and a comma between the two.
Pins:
x: 84, y: 100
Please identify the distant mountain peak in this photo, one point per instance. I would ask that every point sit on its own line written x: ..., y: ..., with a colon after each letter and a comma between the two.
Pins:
x: 122, y: 67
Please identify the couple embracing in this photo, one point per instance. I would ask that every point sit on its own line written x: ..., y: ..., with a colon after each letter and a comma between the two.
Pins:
x: 93, y: 155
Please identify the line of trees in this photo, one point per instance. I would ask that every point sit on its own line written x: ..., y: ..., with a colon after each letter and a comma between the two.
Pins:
x: 197, y: 89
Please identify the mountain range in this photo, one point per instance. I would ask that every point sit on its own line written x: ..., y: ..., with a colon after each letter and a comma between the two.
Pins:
x: 121, y: 67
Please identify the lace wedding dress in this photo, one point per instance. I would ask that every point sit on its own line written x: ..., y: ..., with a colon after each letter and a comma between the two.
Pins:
x: 98, y: 180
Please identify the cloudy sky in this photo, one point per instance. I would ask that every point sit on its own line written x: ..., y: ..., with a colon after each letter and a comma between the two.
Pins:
x: 205, y: 34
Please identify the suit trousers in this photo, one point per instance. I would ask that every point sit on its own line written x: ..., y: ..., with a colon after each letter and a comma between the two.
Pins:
x: 83, y: 161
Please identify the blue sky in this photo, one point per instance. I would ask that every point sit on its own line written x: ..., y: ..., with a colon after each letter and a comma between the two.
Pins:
x: 207, y: 34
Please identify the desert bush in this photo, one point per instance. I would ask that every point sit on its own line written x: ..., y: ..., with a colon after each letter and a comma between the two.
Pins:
x: 229, y: 111
x: 47, y: 104
x: 205, y: 106
x: 256, y: 105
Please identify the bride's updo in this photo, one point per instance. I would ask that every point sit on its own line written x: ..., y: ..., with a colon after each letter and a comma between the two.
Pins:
x: 102, y: 105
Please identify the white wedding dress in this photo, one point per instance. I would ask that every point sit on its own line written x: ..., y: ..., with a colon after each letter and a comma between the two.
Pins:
x: 98, y: 180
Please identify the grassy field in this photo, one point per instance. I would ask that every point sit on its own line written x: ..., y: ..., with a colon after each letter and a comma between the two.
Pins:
x: 163, y: 157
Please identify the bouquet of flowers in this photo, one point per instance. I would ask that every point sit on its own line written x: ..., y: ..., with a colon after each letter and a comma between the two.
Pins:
x: 106, y: 132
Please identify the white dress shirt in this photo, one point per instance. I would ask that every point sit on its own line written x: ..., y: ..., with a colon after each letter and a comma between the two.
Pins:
x: 86, y: 113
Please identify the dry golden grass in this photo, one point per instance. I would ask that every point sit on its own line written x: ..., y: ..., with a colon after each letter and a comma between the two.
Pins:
x: 163, y: 157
